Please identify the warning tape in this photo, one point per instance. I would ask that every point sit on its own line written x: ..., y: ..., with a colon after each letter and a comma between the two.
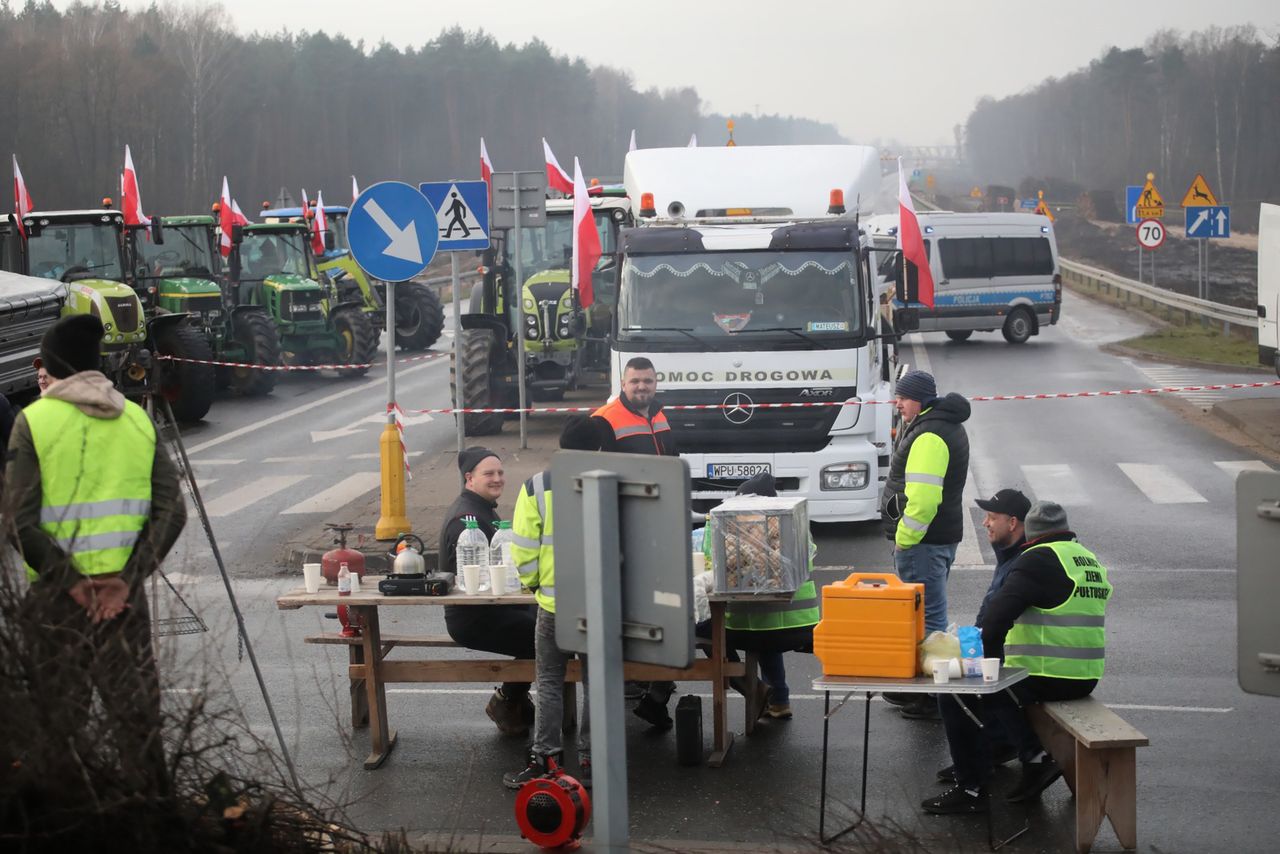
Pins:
x: 404, y: 450
x: 346, y: 367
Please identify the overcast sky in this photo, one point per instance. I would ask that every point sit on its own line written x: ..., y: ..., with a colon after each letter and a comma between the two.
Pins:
x: 847, y: 62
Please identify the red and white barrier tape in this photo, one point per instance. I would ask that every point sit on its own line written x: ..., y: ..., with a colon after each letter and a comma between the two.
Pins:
x: 404, y: 450
x: 347, y: 367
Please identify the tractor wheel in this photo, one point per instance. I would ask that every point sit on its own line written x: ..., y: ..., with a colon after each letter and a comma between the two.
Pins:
x: 477, y: 347
x: 187, y: 386
x: 1019, y: 326
x: 419, y: 316
x: 959, y: 334
x: 359, y: 340
x: 257, y: 335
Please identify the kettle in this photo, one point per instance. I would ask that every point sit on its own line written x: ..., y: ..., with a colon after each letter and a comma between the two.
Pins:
x: 408, y: 560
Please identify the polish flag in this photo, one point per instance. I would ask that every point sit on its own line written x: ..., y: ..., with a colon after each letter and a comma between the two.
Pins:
x: 237, y: 216
x: 22, y: 204
x: 557, y: 179
x: 226, y: 219
x: 131, y: 198
x: 306, y: 206
x: 355, y: 190
x: 693, y: 141
x: 911, y: 241
x: 632, y: 146
x: 586, y: 240
x: 318, y: 226
x: 486, y: 169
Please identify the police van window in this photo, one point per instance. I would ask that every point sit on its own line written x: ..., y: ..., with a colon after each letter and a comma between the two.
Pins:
x: 992, y: 257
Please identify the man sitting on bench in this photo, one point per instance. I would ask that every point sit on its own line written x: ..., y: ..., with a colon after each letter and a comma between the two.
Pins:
x: 1049, y: 618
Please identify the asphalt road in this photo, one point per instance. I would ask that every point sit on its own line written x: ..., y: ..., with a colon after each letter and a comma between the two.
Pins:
x: 1145, y: 487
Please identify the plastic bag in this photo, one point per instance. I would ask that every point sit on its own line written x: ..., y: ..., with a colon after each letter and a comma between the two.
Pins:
x: 940, y: 648
x: 970, y: 638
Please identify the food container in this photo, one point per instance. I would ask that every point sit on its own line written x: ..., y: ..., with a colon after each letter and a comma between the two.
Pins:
x: 872, y: 624
x: 760, y: 544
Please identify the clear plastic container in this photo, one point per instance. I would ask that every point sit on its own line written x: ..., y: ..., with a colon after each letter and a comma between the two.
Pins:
x: 473, y: 549
x: 500, y: 556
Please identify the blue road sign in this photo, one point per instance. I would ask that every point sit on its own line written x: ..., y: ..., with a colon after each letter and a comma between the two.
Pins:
x: 1208, y: 221
x: 1132, y: 194
x: 1028, y: 204
x: 462, y: 213
x: 392, y: 230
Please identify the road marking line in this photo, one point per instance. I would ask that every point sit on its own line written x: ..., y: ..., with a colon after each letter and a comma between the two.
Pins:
x: 198, y: 463
x: 1160, y: 484
x: 920, y: 355
x: 202, y: 482
x: 309, y: 458
x: 969, y: 551
x: 251, y: 493
x: 1055, y: 482
x: 1235, y: 467
x: 1145, y: 708
x: 340, y: 494
x: 307, y: 407
x: 377, y: 455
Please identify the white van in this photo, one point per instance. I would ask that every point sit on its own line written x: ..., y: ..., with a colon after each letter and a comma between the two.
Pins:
x: 990, y: 271
x: 1269, y: 286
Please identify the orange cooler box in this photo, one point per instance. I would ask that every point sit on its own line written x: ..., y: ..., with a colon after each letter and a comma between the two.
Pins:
x: 872, y: 625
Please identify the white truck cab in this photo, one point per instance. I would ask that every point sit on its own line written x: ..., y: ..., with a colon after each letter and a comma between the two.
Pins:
x: 1269, y: 286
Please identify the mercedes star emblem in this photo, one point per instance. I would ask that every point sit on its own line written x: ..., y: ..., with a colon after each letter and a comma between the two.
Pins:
x: 738, y: 408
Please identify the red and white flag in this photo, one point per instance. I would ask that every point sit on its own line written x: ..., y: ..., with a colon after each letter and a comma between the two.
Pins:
x: 355, y: 190
x: 237, y: 215
x: 586, y: 240
x: 318, y: 226
x: 557, y: 178
x: 306, y: 206
x: 486, y: 169
x: 226, y: 219
x: 632, y: 146
x: 131, y: 198
x: 22, y: 204
x: 911, y: 242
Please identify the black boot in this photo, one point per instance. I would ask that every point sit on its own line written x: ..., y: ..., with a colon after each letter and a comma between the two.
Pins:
x: 537, y: 767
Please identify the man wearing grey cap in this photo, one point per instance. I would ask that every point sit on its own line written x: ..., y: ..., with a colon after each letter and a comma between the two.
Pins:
x: 921, y: 510
x: 1049, y: 617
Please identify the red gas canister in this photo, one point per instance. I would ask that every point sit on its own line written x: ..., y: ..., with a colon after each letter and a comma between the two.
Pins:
x: 332, y: 560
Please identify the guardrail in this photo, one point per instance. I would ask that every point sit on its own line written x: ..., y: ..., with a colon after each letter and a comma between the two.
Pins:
x: 1096, y: 277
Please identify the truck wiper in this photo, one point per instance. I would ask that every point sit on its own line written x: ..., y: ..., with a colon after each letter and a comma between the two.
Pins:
x: 688, y: 333
x: 791, y: 329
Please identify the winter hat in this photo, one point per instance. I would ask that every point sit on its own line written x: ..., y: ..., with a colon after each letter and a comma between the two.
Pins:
x: 761, y: 484
x: 469, y: 458
x: 72, y: 345
x: 580, y: 434
x: 1045, y: 518
x: 917, y: 385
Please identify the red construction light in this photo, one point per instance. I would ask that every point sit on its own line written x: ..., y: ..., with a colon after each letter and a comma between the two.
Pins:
x: 106, y: 202
x: 646, y: 205
x: 216, y: 207
x: 836, y: 204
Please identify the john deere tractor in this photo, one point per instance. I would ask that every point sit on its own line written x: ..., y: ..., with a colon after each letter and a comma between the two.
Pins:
x: 184, y: 275
x: 419, y: 314
x: 90, y: 251
x: 271, y: 266
x: 565, y: 344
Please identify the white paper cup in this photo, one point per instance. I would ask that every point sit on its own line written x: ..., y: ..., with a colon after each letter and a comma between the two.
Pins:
x: 941, y: 674
x: 699, y: 563
x: 311, y: 577
x: 497, y: 580
x: 954, y: 671
x: 471, y: 579
x: 355, y: 582
x: 990, y: 669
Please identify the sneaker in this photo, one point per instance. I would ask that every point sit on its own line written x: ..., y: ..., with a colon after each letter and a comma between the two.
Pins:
x: 947, y: 775
x: 1036, y: 777
x: 779, y: 711
x: 537, y: 767
x: 998, y: 757
x: 584, y: 769
x: 957, y: 801
x: 895, y: 699
x: 653, y: 712
x: 923, y: 708
x: 506, y: 715
x: 764, y: 694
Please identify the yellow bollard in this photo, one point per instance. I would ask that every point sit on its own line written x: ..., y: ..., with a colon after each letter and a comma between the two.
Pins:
x: 393, y: 522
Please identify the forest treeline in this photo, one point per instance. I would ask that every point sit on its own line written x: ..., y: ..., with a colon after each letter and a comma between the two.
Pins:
x: 195, y: 100
x: 1182, y: 104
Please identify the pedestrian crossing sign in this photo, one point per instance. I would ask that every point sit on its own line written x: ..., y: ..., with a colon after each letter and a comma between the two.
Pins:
x: 462, y: 213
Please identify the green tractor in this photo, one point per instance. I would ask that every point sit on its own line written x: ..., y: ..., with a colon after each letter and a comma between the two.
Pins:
x: 419, y: 313
x: 565, y: 344
x: 183, y: 275
x: 93, y: 254
x: 271, y: 266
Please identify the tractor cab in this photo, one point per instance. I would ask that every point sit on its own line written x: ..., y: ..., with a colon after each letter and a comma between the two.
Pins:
x: 335, y: 217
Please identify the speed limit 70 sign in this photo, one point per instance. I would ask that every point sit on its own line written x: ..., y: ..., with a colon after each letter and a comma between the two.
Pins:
x: 1151, y: 234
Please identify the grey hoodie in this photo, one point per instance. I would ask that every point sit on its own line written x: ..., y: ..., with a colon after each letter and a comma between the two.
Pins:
x: 94, y: 395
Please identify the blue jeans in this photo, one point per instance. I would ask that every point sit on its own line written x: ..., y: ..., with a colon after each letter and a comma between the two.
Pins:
x: 929, y: 565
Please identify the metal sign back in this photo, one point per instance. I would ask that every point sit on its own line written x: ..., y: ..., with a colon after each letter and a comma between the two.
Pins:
x: 533, y: 199
x: 1258, y: 582
x: 657, y: 569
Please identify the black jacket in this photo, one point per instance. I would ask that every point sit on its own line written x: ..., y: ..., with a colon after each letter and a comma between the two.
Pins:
x: 1036, y: 580
x: 1005, y: 557
x: 468, y: 504
x: 945, y: 418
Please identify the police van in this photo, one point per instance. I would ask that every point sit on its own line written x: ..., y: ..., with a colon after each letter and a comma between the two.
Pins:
x: 990, y: 271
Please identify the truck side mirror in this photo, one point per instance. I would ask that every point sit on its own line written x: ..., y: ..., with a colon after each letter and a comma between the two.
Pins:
x: 906, y: 320
x: 157, y: 231
x: 237, y: 235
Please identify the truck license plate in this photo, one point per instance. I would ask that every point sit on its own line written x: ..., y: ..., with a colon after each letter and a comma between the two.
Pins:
x: 737, y: 471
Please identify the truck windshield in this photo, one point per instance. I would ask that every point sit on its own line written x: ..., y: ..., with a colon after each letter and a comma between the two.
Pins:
x: 185, y: 252
x: 265, y: 253
x: 92, y: 250
x: 742, y: 300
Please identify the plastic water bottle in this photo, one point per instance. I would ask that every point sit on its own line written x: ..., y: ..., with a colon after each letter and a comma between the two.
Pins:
x: 473, y: 550
x: 500, y: 556
x: 344, y: 580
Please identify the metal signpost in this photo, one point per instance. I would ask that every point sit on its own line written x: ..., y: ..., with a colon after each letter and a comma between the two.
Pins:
x: 1151, y: 235
x: 519, y: 202
x: 392, y: 231
x: 1146, y: 204
x: 1205, y: 220
x: 462, y: 223
x: 624, y: 592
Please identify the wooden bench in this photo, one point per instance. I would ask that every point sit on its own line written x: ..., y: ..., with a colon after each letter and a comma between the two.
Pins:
x: 1095, y: 748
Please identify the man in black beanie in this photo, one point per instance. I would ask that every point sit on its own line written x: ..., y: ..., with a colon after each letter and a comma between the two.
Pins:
x: 96, y: 506
x: 502, y: 629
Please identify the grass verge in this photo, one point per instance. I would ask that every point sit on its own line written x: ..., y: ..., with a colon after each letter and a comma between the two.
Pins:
x: 1198, y: 344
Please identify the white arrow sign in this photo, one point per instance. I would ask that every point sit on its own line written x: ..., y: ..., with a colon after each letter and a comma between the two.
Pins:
x: 404, y: 241
x: 1195, y: 226
x: 1222, y: 221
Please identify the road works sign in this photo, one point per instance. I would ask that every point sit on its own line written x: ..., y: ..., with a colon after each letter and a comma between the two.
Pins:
x: 1208, y: 221
x: 1199, y: 195
x: 1150, y: 202
x: 1151, y: 234
x: 975, y: 193
x: 392, y: 231
x: 462, y: 213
